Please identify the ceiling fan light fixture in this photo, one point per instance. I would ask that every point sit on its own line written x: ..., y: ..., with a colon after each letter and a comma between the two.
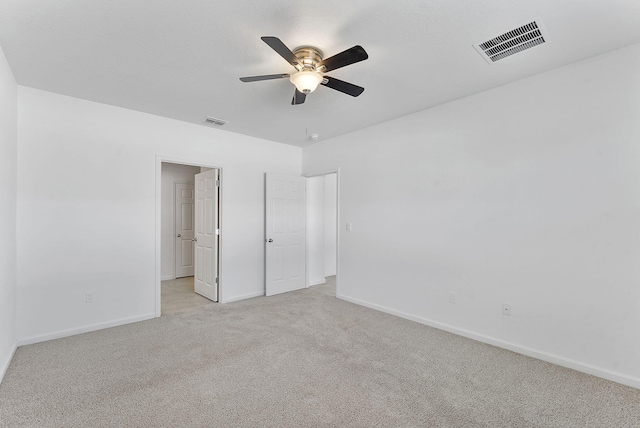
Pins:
x: 306, y: 81
x: 310, y: 67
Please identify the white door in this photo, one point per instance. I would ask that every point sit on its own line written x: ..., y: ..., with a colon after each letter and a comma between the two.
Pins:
x: 184, y: 222
x: 285, y: 233
x: 206, y: 239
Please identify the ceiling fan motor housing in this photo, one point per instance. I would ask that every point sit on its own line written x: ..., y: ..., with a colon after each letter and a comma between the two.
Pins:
x: 309, y: 57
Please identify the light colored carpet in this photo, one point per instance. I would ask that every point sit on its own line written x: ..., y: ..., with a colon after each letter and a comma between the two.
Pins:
x: 301, y: 359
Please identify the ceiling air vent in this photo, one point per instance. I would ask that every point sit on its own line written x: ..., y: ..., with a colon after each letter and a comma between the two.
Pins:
x: 512, y: 42
x: 214, y: 121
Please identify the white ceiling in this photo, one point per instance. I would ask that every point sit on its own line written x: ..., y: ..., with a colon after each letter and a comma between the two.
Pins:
x: 182, y: 59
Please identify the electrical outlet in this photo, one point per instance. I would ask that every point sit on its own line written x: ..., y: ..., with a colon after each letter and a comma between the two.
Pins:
x: 506, y: 309
x: 89, y: 296
x: 349, y: 227
x: 453, y: 297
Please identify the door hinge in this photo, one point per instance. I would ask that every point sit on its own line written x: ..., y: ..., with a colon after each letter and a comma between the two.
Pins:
x: 217, y: 183
x: 216, y: 280
x: 217, y: 231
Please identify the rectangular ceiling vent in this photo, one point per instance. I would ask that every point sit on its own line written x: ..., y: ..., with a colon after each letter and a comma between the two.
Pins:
x: 514, y: 41
x: 214, y: 121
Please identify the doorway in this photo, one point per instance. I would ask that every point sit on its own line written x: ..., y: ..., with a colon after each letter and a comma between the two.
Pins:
x: 323, y: 233
x: 188, y: 224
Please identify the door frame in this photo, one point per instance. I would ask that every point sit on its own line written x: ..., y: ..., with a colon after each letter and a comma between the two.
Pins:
x: 158, y: 258
x: 335, y: 171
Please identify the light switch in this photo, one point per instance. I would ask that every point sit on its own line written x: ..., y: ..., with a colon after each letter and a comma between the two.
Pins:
x: 348, y: 227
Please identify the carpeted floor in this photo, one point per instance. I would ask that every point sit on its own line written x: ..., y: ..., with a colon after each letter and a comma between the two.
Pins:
x: 300, y: 359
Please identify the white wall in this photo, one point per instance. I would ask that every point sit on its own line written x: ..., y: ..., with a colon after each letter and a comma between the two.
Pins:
x: 330, y: 219
x: 172, y: 174
x: 527, y: 194
x: 86, y: 209
x: 8, y: 186
x: 315, y: 230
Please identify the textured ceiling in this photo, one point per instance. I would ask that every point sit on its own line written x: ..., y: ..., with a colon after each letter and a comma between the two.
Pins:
x: 183, y: 59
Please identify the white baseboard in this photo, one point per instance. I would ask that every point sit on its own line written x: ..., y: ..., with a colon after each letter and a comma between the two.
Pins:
x: 167, y: 278
x: 86, y: 329
x: 5, y: 365
x: 317, y: 281
x: 330, y: 274
x: 545, y: 356
x: 242, y: 297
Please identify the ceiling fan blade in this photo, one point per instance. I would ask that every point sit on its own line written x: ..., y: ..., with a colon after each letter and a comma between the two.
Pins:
x: 344, y: 58
x: 265, y: 77
x: 298, y: 97
x: 342, y: 86
x: 282, y: 49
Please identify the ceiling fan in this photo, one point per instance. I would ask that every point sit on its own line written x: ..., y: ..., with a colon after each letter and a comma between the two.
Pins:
x: 310, y: 68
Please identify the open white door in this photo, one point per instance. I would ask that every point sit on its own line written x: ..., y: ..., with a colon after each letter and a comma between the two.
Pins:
x: 285, y: 233
x: 206, y: 239
x: 184, y: 216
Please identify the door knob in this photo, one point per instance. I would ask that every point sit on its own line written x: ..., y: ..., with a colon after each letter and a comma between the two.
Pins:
x: 195, y: 239
x: 270, y: 240
x: 179, y: 236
